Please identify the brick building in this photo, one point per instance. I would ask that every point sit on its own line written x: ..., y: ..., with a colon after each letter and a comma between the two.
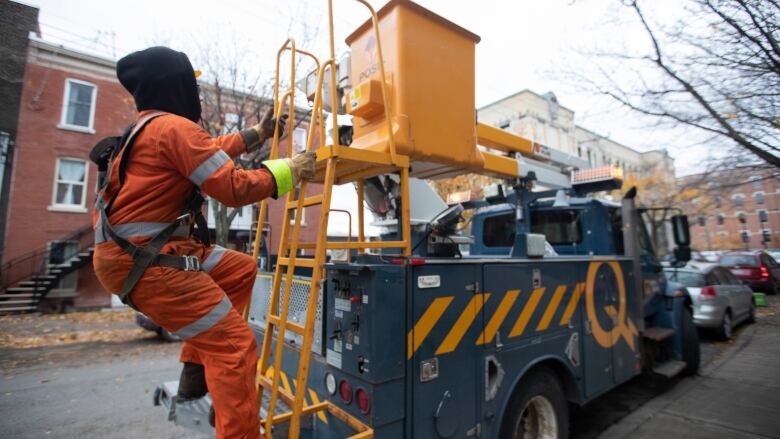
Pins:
x: 727, y: 196
x: 69, y: 101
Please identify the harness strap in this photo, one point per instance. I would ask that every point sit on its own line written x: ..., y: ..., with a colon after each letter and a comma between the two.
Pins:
x: 148, y: 255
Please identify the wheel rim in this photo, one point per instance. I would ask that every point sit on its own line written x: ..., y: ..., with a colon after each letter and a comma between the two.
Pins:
x: 727, y: 325
x: 538, y: 420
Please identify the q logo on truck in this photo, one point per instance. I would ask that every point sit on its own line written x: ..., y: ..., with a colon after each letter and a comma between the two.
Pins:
x: 623, y: 326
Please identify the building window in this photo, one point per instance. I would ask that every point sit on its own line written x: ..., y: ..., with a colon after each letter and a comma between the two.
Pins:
x: 739, y: 200
x: 78, y: 106
x: 299, y: 140
x: 756, y: 180
x: 721, y: 219
x: 70, y: 181
x: 759, y: 196
x: 295, y: 212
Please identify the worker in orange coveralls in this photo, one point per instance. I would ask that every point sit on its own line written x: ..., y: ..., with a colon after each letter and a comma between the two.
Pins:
x: 145, y: 249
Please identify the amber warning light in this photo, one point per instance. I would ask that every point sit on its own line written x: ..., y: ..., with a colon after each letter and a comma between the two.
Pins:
x: 603, y: 178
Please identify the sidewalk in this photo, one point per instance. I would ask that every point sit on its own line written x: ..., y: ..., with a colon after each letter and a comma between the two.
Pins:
x: 736, y: 396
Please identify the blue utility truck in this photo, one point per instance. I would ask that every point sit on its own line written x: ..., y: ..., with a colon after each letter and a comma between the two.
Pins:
x: 481, y: 319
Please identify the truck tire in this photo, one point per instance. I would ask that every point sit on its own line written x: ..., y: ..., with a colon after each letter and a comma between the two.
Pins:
x: 690, y: 344
x: 538, y: 409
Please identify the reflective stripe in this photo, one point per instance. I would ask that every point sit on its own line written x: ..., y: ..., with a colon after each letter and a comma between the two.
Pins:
x: 135, y: 230
x: 206, y: 322
x: 204, y: 171
x: 213, y: 259
x: 99, y: 231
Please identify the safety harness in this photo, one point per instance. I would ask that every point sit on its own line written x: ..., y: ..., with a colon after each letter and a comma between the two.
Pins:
x: 103, y: 154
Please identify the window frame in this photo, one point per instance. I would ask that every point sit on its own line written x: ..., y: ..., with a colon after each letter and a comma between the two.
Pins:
x: 64, y: 111
x: 294, y: 213
x: 75, y: 208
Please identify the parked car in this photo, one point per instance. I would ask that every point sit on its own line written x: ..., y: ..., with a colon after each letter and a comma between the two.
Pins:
x: 775, y: 253
x: 757, y: 268
x: 720, y: 300
x: 147, y: 323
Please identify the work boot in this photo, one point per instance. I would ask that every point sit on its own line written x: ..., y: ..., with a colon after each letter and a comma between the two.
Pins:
x: 192, y: 383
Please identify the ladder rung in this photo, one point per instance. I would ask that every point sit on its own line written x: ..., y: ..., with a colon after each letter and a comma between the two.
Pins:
x: 306, y: 410
x: 267, y: 383
x: 274, y: 319
x: 307, y: 201
x: 299, y: 262
x: 366, y: 244
x: 353, y: 244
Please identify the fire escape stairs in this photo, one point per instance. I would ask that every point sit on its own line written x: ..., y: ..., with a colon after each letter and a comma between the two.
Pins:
x: 25, y: 296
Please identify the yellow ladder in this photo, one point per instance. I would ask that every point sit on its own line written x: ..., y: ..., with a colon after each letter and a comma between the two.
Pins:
x: 336, y: 164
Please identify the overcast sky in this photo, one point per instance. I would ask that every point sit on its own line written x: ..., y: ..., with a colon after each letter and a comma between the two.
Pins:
x: 525, y: 43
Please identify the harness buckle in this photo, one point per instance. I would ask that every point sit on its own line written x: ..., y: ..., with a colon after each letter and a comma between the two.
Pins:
x: 191, y: 263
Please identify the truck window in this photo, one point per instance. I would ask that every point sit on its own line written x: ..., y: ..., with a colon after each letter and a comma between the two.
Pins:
x: 617, y: 230
x: 645, y: 245
x: 499, y: 230
x: 561, y: 227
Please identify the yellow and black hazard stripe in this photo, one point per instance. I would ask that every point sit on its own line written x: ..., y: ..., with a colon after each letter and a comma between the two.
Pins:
x: 285, y: 382
x: 437, y: 308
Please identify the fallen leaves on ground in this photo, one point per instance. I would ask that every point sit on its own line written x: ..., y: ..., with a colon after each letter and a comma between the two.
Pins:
x: 100, y: 335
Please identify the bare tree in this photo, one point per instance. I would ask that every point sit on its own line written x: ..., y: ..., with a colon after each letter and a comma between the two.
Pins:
x: 716, y: 69
x: 235, y: 97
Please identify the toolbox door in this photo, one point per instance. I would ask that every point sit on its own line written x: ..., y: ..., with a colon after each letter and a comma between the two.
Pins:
x: 441, y: 346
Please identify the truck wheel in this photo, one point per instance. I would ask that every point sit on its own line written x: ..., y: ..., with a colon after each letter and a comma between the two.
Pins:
x: 538, y: 409
x: 690, y: 343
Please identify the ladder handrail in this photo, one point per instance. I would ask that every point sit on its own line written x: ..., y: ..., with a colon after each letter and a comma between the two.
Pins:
x: 382, y: 75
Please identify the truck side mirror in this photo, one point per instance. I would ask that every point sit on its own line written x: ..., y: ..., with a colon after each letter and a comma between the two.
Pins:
x: 682, y: 234
x: 682, y: 254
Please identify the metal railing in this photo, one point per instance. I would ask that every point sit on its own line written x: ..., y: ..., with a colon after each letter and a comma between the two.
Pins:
x: 35, y: 263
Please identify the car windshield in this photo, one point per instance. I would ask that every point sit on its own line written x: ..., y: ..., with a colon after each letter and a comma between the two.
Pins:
x: 687, y: 278
x: 747, y: 260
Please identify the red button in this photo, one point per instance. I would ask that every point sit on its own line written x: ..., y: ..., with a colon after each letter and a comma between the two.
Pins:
x: 354, y: 299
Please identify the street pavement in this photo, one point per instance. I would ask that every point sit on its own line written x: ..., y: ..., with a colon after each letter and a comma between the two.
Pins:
x: 737, y: 395
x: 95, y: 379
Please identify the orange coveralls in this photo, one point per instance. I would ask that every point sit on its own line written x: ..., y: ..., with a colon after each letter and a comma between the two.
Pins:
x: 170, y: 156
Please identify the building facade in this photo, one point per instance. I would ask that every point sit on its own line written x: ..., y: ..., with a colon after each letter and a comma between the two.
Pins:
x: 70, y: 100
x: 726, y: 200
x: 543, y: 119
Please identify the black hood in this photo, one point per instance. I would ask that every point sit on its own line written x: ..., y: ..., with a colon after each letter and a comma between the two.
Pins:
x: 160, y: 78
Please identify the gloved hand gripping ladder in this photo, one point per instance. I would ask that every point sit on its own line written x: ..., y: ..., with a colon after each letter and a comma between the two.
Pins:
x: 336, y: 165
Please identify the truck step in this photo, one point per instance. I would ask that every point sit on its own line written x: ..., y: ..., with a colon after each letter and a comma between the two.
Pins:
x: 670, y: 368
x: 657, y: 333
x: 192, y: 414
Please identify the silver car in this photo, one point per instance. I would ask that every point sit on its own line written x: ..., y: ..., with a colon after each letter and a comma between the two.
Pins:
x: 720, y: 300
